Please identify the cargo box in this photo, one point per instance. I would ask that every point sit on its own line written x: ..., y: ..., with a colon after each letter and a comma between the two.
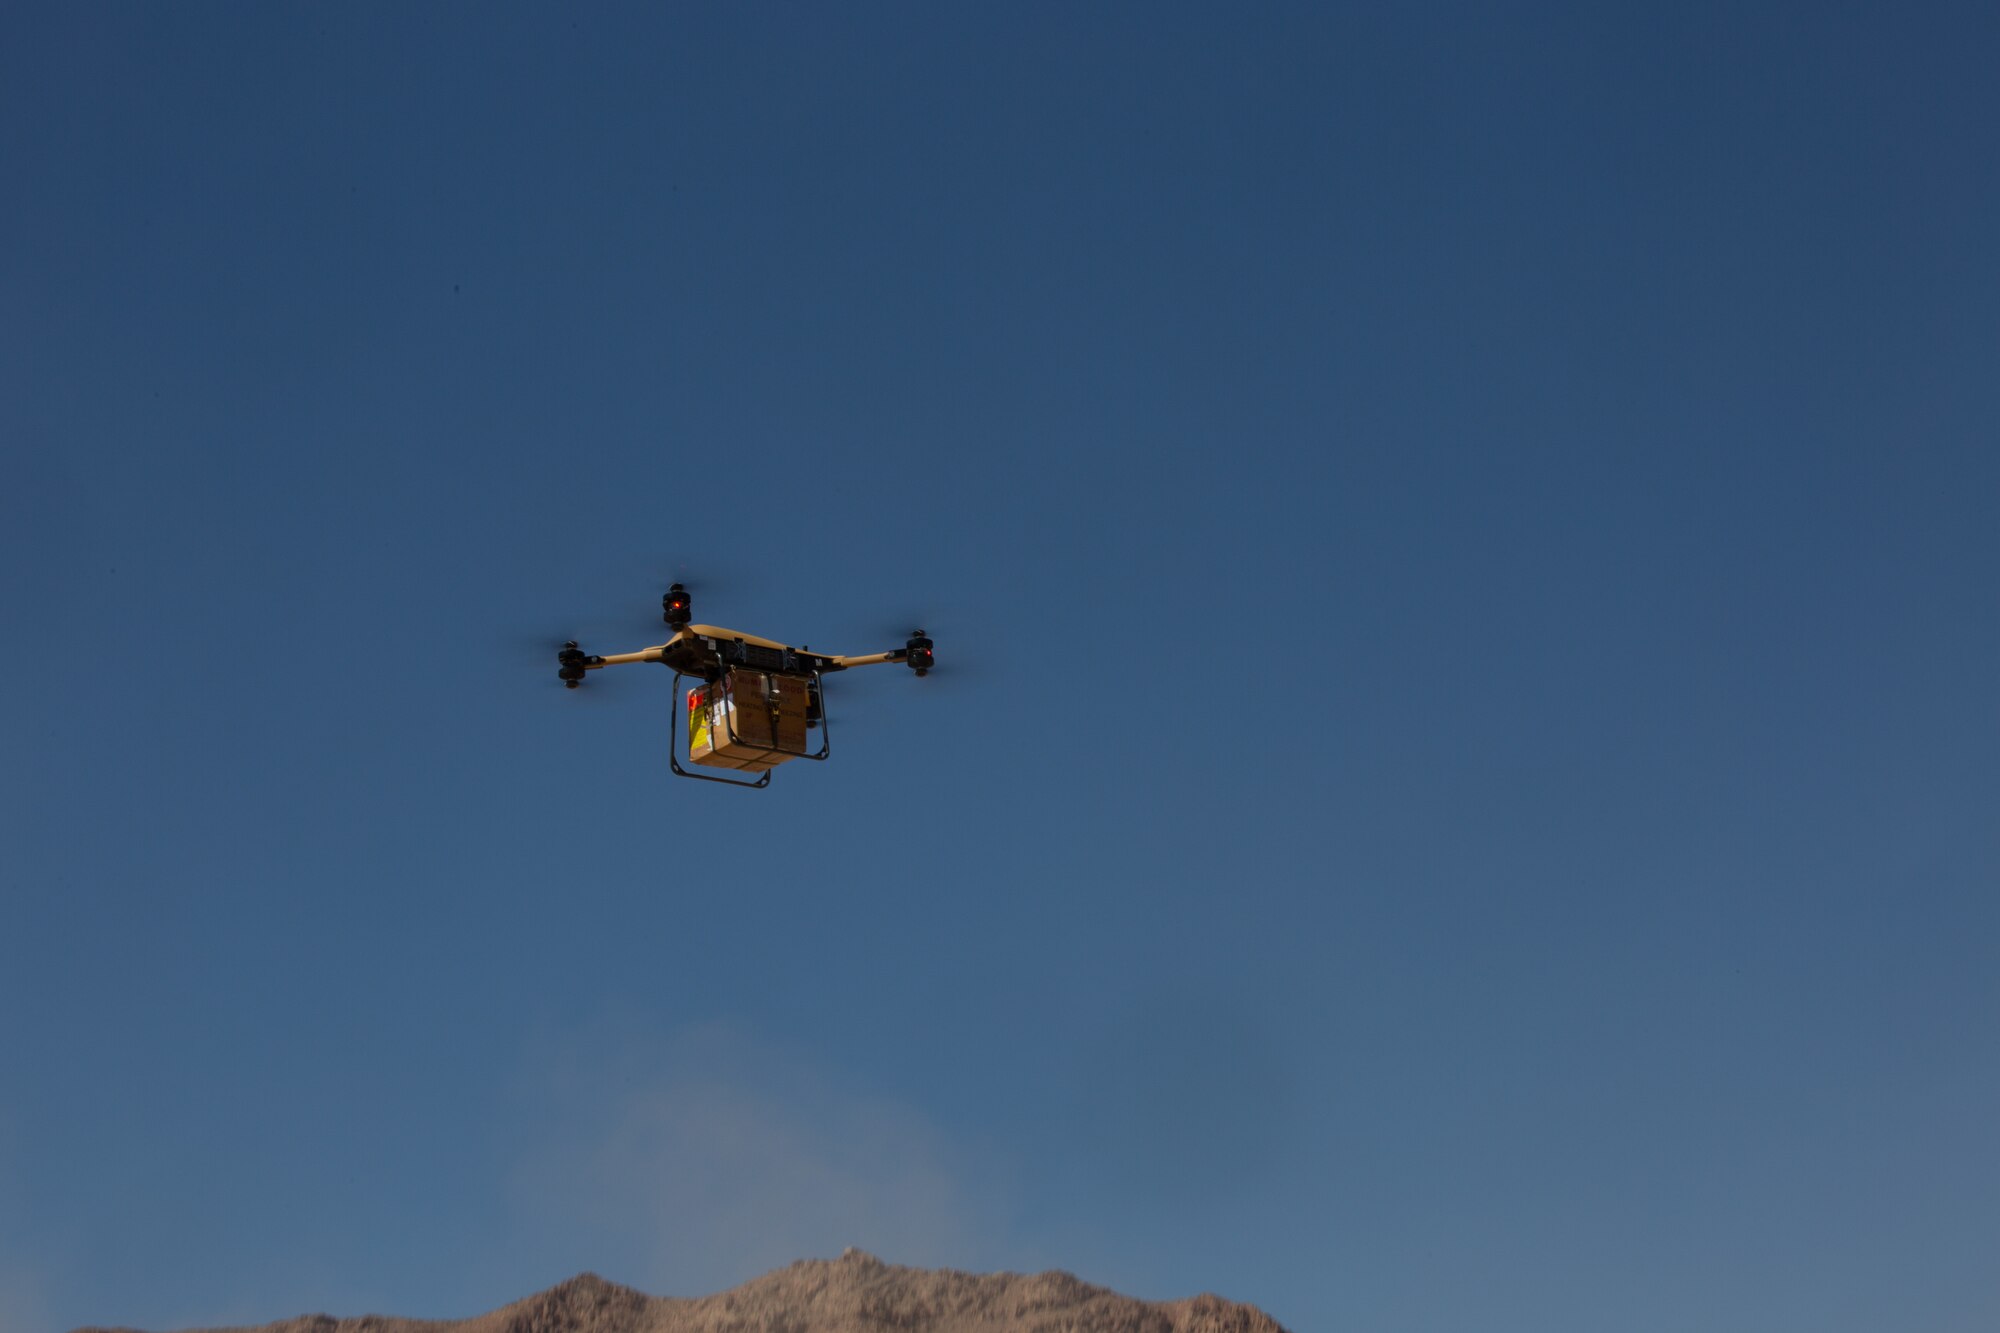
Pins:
x: 706, y: 707
x: 749, y: 720
x: 768, y: 712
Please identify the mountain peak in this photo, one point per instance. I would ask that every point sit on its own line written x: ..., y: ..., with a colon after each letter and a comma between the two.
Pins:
x: 585, y: 1301
x: 856, y: 1293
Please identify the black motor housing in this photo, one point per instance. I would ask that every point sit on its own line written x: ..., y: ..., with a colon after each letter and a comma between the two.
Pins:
x: 675, y: 607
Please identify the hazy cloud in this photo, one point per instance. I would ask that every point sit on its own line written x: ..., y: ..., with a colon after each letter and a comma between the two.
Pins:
x: 23, y: 1308
x: 689, y: 1163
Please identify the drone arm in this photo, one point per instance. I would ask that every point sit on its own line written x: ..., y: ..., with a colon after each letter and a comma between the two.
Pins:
x: 620, y: 659
x: 872, y: 659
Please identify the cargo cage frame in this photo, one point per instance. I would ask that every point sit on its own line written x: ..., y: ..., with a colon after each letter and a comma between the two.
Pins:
x: 818, y: 693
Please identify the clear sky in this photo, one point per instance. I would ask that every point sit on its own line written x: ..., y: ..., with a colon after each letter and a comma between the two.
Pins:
x: 1463, y: 543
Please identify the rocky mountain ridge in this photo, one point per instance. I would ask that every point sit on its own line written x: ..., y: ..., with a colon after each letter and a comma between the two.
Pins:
x: 856, y: 1293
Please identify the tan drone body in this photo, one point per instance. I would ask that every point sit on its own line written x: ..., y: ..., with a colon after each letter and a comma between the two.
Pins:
x: 757, y: 698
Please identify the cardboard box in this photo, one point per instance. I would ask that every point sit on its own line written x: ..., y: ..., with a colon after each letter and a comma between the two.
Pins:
x: 749, y: 720
x: 768, y: 712
x: 705, y: 708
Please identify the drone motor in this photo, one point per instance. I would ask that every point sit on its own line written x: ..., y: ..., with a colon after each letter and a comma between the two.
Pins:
x: 574, y: 661
x: 675, y: 608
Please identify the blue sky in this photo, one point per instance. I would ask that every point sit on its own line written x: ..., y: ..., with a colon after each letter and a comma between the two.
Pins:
x: 1463, y: 541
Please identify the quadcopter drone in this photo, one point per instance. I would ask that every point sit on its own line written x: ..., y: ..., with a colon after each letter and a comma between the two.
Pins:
x: 757, y: 698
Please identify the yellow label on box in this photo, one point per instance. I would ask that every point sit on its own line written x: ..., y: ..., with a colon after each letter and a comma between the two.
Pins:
x: 698, y: 738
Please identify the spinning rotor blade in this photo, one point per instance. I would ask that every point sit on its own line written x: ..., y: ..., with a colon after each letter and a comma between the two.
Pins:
x: 896, y: 631
x: 946, y: 677
x: 655, y: 570
x: 533, y: 650
x: 683, y: 591
x: 536, y: 658
x: 701, y: 583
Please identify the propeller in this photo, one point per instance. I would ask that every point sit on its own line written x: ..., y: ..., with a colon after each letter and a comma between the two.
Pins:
x: 869, y: 690
x: 695, y: 582
x: 543, y: 659
x: 683, y: 586
x: 904, y: 626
